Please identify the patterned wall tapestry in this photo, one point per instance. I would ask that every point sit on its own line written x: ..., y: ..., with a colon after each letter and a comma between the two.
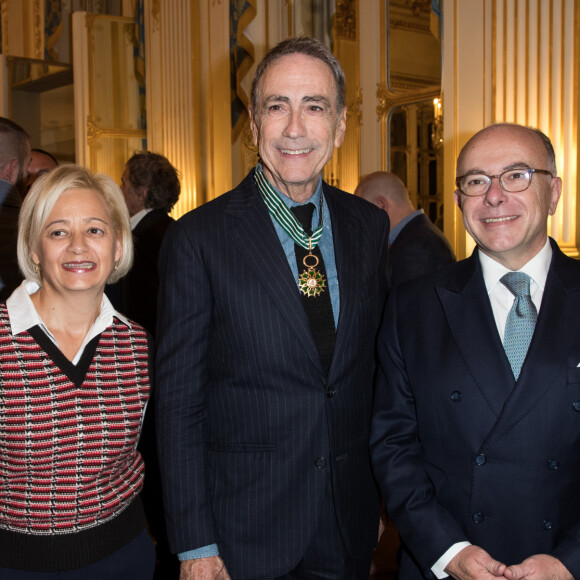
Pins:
x: 242, y: 12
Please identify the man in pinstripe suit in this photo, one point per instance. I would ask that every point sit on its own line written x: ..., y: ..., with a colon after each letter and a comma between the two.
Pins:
x: 266, y: 339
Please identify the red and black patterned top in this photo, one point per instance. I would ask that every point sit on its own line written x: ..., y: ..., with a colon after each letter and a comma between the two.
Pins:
x: 69, y: 466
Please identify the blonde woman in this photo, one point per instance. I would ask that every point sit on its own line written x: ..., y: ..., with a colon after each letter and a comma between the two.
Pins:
x: 74, y: 384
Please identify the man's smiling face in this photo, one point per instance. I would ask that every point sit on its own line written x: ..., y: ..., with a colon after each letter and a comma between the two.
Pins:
x: 296, y: 125
x: 509, y: 227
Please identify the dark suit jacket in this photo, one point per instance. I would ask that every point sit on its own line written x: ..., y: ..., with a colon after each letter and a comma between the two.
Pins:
x: 459, y: 452
x: 10, y: 275
x: 135, y: 295
x: 420, y: 248
x: 249, y: 427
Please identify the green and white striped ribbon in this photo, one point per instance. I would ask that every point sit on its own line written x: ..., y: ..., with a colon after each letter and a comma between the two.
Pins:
x: 280, y: 212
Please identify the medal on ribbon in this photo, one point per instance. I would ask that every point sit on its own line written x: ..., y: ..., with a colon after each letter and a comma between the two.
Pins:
x: 311, y: 282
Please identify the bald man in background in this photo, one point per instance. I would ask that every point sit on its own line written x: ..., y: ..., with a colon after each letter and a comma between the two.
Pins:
x: 417, y: 247
x: 41, y: 162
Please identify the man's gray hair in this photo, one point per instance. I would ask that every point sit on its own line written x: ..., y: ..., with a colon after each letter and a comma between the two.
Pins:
x: 309, y: 47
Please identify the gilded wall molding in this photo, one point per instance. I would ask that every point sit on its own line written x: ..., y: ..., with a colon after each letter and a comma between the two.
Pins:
x: 345, y: 19
x: 155, y: 14
x: 4, y: 24
x: 407, y: 25
x: 94, y: 132
x: 38, y: 26
x: 401, y: 83
x: 23, y: 28
x: 90, y: 19
x: 354, y: 108
x: 387, y: 99
x: 384, y: 98
x: 250, y: 151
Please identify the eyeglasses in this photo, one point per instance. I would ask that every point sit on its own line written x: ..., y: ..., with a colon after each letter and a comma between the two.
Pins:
x: 512, y: 181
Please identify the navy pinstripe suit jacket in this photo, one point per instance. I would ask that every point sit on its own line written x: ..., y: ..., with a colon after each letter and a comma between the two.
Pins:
x: 243, y: 406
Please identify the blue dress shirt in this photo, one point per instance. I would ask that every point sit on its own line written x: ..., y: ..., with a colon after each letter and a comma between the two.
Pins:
x: 326, y: 244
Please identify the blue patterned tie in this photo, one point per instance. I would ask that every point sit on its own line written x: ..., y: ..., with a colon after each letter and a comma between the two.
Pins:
x: 521, y: 320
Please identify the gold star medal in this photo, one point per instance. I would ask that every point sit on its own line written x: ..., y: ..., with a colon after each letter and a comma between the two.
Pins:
x: 311, y: 282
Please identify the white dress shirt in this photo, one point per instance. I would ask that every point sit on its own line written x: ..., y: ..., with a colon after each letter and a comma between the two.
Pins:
x: 500, y: 297
x: 502, y: 300
x: 23, y: 315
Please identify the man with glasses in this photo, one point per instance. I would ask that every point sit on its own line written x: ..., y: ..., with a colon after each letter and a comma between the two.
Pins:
x: 475, y: 436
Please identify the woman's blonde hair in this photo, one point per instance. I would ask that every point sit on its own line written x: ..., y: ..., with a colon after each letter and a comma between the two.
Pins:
x: 41, y: 200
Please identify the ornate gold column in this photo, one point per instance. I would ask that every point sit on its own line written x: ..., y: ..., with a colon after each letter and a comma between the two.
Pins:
x: 534, y: 56
x: 372, y: 20
x: 23, y: 28
x: 174, y: 103
x: 343, y: 170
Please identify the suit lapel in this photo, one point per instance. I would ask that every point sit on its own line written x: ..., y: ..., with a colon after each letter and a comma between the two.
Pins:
x: 149, y: 220
x: 347, y: 253
x: 468, y: 311
x: 255, y: 237
x: 470, y: 318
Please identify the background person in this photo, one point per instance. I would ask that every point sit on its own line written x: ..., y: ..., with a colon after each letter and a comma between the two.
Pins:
x: 475, y: 430
x: 14, y: 160
x: 416, y: 246
x: 151, y: 187
x: 41, y: 162
x: 75, y: 383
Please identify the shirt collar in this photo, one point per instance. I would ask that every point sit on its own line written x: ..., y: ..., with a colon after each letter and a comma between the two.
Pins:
x: 315, y: 198
x: 397, y: 229
x: 23, y: 314
x: 537, y: 268
x: 135, y: 219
